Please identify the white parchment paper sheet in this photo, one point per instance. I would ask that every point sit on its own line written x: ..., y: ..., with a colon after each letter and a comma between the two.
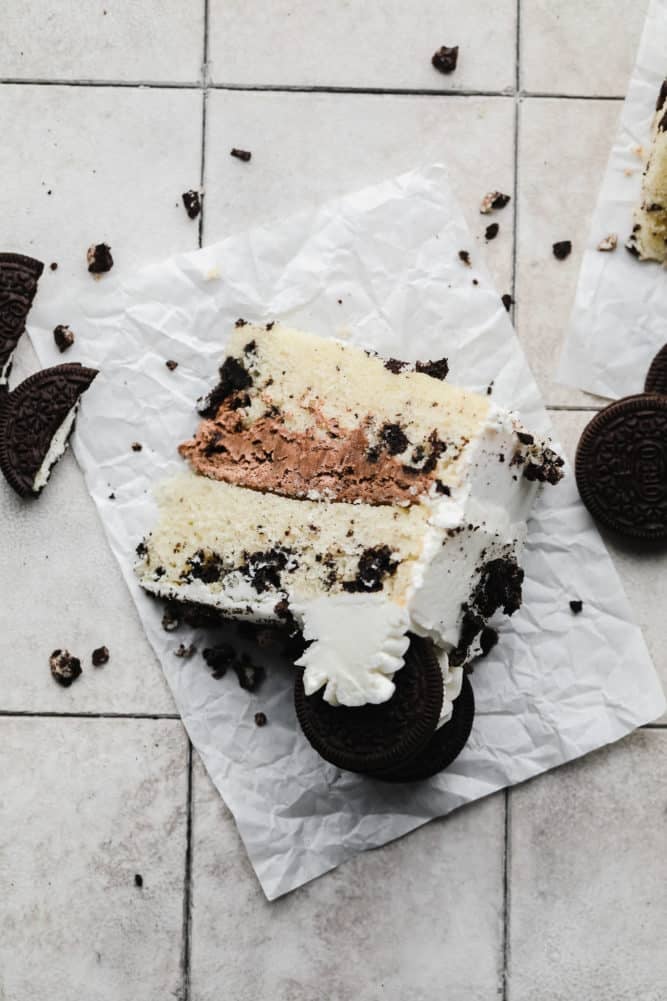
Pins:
x: 555, y: 687
x: 619, y: 319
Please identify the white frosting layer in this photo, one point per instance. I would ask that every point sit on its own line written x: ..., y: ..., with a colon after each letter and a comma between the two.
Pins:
x: 56, y: 449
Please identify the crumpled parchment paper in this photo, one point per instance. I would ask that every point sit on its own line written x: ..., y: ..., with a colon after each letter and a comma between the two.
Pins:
x: 619, y: 319
x: 555, y: 687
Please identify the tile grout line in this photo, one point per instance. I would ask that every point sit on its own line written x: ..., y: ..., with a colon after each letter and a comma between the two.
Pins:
x: 515, y: 189
x: 186, y: 953
x: 53, y: 714
x: 304, y: 89
x: 506, y: 894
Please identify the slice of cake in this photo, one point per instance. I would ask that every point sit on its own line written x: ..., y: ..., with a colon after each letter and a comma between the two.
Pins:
x: 648, y: 239
x: 364, y: 498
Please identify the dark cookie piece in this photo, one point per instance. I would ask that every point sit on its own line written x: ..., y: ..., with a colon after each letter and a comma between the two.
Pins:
x: 446, y: 58
x: 621, y: 466
x: 241, y: 154
x: 234, y: 377
x: 63, y: 337
x: 99, y: 258
x: 491, y: 231
x: 464, y: 255
x: 375, y: 564
x: 499, y: 586
x: 372, y: 738
x: 100, y: 656
x: 171, y: 364
x: 18, y: 284
x: 562, y: 249
x: 138, y: 880
x: 444, y: 746
x: 576, y: 606
x: 185, y: 651
x: 219, y: 659
x: 192, y: 203
x: 31, y: 416
x: 250, y: 675
x: 65, y: 668
x: 494, y: 200
x: 507, y: 300
x: 437, y: 369
x: 656, y: 378
x: 260, y: 719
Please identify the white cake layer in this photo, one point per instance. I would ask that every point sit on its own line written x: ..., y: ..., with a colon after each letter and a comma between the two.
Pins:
x: 649, y: 234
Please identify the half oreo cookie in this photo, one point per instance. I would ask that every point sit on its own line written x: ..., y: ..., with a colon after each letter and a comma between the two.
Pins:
x: 621, y: 466
x: 656, y: 377
x: 36, y: 420
x: 444, y: 746
x: 18, y: 284
x: 375, y: 738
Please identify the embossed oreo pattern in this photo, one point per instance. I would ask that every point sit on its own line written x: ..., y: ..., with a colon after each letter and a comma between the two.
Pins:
x: 374, y: 737
x: 656, y: 379
x: 30, y: 417
x: 621, y: 466
x: 18, y: 284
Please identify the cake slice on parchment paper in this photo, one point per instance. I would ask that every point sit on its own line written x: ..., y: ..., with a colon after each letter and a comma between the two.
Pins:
x: 366, y: 499
x: 648, y: 240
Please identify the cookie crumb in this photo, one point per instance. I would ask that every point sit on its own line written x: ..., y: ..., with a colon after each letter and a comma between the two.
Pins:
x: 464, y: 255
x: 250, y: 675
x: 491, y: 231
x: 138, y: 880
x: 99, y: 258
x: 63, y: 337
x: 112, y: 496
x: 192, y: 203
x: 65, y: 668
x: 576, y: 606
x: 493, y: 200
x: 171, y: 364
x: 241, y: 154
x: 137, y: 446
x: 185, y: 651
x: 260, y: 719
x: 171, y: 619
x: 562, y: 249
x: 507, y: 301
x: 610, y: 242
x: 100, y: 656
x: 446, y: 58
x: 53, y: 265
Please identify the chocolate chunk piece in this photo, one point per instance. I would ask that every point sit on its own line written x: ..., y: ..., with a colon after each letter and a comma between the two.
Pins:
x: 493, y: 200
x: 36, y: 420
x: 260, y: 719
x: 436, y: 369
x: 446, y: 58
x: 100, y: 657
x: 562, y: 249
x: 444, y: 746
x: 65, y: 668
x: 373, y: 738
x: 621, y: 466
x: 63, y: 337
x: 656, y: 378
x: 576, y: 606
x: 491, y: 231
x: 192, y: 203
x: 19, y: 276
x: 241, y: 154
x: 99, y: 258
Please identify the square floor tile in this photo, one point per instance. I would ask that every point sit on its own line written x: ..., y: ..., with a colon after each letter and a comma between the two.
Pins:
x: 102, y: 40
x: 563, y: 150
x: 570, y: 47
x: 307, y: 148
x: 85, y: 805
x: 357, y: 44
x: 588, y: 867
x: 62, y: 587
x: 425, y: 911
x: 641, y: 566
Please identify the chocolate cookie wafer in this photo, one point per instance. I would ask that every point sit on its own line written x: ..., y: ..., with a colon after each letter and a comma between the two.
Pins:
x: 621, y: 466
x: 18, y: 284
x: 656, y: 377
x: 444, y: 746
x: 36, y: 420
x: 373, y: 738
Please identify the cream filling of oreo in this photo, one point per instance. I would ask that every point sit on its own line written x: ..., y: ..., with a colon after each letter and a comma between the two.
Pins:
x: 6, y: 369
x: 56, y: 449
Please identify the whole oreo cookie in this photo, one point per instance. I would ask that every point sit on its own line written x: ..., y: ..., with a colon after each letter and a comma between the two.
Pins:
x: 373, y: 738
x: 621, y: 466
x: 444, y: 746
x: 36, y: 420
x: 18, y: 284
x: 656, y: 378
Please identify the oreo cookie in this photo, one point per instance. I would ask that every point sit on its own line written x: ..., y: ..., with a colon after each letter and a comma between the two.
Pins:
x: 444, y: 746
x: 656, y: 378
x: 19, y: 276
x: 377, y: 738
x: 36, y: 420
x: 621, y: 466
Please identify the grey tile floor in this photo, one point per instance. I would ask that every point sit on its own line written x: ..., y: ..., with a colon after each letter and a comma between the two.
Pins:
x: 108, y: 111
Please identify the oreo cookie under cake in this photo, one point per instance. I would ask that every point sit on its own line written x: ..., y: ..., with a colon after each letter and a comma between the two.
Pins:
x: 365, y: 499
